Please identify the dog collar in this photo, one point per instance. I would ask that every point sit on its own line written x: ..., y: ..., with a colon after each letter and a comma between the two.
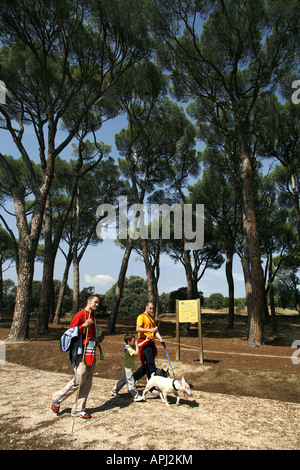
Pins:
x: 173, y: 384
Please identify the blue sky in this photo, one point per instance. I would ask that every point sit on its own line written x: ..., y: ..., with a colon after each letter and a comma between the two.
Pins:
x: 100, y: 264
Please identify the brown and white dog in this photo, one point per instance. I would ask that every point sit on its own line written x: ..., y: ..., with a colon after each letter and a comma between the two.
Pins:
x: 167, y: 385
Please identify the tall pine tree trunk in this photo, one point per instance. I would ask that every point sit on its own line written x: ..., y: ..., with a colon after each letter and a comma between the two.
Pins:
x: 229, y: 277
x: 76, y: 286
x: 28, y: 241
x: 41, y: 327
x: 20, y: 326
x: 110, y: 329
x: 76, y: 283
x: 152, y: 294
x: 46, y: 308
x: 256, y: 319
x: 62, y: 289
x: 272, y: 301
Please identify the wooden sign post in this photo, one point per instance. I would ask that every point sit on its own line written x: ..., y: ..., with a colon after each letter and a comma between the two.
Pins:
x: 189, y: 311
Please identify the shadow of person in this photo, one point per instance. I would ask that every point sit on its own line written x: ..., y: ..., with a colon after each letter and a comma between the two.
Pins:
x: 113, y: 405
x: 115, y: 402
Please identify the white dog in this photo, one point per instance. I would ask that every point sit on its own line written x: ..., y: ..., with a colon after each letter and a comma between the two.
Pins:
x: 167, y: 385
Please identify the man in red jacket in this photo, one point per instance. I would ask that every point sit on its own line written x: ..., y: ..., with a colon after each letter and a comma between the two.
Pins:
x: 85, y: 320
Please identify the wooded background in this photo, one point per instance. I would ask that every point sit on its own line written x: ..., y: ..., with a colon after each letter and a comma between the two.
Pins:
x: 220, y: 72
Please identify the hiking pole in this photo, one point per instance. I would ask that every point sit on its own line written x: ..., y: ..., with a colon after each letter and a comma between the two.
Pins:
x: 169, y: 359
x: 77, y: 395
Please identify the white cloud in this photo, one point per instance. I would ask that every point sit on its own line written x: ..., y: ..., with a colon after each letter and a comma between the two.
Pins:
x: 99, y: 280
x: 238, y: 277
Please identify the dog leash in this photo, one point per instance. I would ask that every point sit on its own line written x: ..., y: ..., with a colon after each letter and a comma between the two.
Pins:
x: 168, y: 359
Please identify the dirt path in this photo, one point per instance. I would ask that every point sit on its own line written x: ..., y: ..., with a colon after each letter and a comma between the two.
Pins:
x: 209, y: 421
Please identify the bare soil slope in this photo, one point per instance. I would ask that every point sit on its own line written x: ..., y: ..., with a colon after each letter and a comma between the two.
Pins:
x: 243, y: 398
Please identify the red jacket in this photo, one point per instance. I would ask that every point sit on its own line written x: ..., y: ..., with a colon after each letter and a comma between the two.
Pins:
x: 78, y: 320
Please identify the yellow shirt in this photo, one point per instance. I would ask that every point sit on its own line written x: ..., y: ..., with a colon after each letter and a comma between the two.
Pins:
x: 145, y: 321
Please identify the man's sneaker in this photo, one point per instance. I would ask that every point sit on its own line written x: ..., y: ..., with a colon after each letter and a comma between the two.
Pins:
x: 139, y: 398
x: 55, y: 407
x: 83, y: 415
x: 114, y: 393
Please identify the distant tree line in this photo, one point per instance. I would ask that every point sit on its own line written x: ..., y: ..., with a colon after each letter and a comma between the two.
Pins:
x: 135, y: 297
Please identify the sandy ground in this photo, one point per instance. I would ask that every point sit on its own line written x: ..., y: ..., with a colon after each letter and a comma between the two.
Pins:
x: 209, y: 421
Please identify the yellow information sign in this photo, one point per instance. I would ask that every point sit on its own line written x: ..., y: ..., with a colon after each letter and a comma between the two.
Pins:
x: 188, y: 311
